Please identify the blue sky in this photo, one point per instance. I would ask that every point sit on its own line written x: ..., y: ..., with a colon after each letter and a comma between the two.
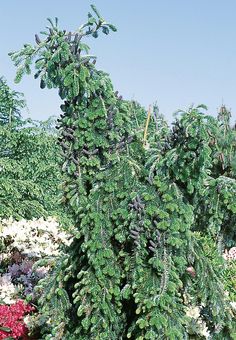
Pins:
x: 175, y: 52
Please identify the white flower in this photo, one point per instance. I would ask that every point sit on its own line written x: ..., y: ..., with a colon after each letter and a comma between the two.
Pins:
x: 35, y: 238
x: 193, y: 312
x: 230, y: 254
x: 204, y: 331
x: 27, y: 320
x: 233, y: 304
x: 26, y: 242
x: 7, y: 289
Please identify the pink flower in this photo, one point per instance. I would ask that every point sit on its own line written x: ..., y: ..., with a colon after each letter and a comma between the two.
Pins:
x: 11, y: 320
x: 191, y: 271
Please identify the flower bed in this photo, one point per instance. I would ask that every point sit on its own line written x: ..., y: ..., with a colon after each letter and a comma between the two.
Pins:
x: 12, y: 323
x: 28, y: 250
x: 23, y: 243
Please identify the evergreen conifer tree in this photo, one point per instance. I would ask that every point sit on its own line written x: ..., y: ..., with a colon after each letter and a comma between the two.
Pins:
x: 140, y: 253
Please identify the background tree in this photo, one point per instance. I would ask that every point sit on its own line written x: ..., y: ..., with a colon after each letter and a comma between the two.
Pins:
x: 11, y: 104
x: 29, y: 162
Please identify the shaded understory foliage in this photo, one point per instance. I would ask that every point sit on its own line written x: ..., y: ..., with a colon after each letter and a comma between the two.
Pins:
x: 152, y: 217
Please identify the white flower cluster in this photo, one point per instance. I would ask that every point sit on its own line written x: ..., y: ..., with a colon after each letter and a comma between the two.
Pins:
x: 35, y: 238
x: 23, y: 243
x: 8, y: 291
x: 233, y: 305
x: 230, y: 254
x: 193, y: 312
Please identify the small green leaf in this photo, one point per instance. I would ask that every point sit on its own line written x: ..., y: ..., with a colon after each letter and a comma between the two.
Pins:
x: 5, y: 329
x: 112, y: 27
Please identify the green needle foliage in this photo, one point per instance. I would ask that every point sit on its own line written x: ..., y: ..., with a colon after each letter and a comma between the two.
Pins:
x: 140, y: 253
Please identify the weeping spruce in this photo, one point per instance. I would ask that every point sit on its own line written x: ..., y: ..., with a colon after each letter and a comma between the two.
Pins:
x: 136, y: 206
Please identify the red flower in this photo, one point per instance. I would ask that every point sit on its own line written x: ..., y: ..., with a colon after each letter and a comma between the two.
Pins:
x: 12, y: 320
